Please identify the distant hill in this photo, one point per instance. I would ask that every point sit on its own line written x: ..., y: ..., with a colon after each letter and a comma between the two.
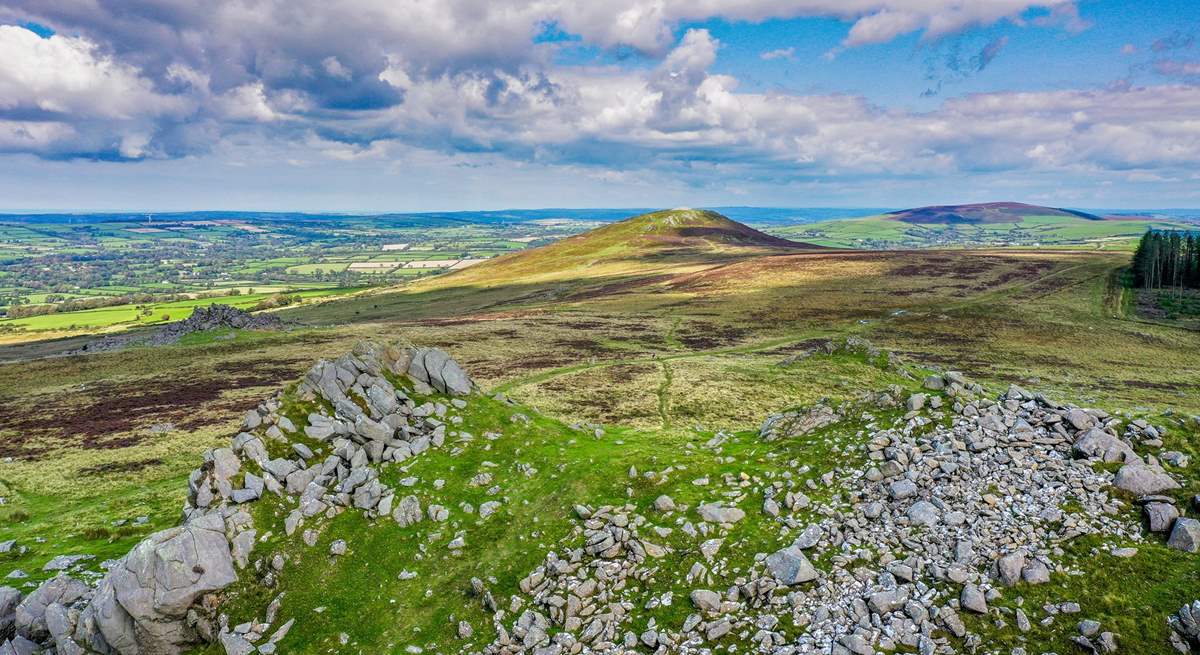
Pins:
x: 647, y: 242
x: 984, y: 225
x: 676, y: 228
x: 982, y: 213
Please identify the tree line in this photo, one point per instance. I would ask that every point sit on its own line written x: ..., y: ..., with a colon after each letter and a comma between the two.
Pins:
x: 1167, y: 260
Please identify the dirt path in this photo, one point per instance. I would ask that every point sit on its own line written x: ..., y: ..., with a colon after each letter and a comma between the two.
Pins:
x: 767, y: 344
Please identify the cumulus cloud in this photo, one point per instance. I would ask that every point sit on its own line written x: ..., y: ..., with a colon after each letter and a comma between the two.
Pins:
x: 60, y: 95
x: 362, y: 79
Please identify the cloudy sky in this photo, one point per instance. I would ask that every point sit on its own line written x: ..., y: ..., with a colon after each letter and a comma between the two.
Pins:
x: 374, y: 105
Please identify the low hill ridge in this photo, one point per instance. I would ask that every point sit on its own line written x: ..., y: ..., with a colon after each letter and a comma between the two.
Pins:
x: 982, y: 213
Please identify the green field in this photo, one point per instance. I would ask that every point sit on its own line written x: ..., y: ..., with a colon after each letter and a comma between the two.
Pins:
x: 1030, y: 231
x: 152, y: 313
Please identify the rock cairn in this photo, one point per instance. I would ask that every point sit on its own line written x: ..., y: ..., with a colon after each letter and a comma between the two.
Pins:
x: 161, y: 598
x: 962, y: 499
x: 211, y: 317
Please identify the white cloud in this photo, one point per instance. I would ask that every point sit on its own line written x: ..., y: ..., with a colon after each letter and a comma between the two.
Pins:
x: 68, y: 76
x: 780, y: 53
x: 373, y: 78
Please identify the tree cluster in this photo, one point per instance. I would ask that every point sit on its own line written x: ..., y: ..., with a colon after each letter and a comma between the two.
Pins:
x: 1167, y: 260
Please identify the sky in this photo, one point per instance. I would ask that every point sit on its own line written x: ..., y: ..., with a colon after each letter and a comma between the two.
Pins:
x: 416, y: 105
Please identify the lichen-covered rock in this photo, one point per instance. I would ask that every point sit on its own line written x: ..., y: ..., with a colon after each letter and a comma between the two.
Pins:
x: 1142, y: 479
x: 140, y: 607
x: 9, y: 599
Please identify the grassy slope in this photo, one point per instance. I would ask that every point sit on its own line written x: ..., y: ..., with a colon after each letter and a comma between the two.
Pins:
x: 656, y: 345
x: 382, y: 613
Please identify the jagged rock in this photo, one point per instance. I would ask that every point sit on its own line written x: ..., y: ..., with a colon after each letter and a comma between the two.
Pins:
x: 797, y: 423
x: 1100, y: 444
x: 1080, y: 419
x: 435, y: 368
x: 972, y: 599
x: 1036, y: 572
x: 1185, y: 535
x: 9, y: 598
x: 1008, y: 568
x: 1159, y: 516
x: 717, y: 513
x: 235, y: 644
x: 706, y: 601
x: 1186, y: 622
x: 30, y: 614
x: 924, y: 513
x: 64, y: 562
x: 141, y: 606
x: 790, y: 566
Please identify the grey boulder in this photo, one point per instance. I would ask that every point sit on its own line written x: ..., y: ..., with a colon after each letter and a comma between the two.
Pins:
x: 1185, y: 535
x: 435, y: 368
x: 1102, y: 445
x: 141, y: 606
x: 717, y: 513
x: 9, y: 599
x: 1142, y: 479
x: 30, y: 614
x: 789, y: 566
x: 1159, y: 516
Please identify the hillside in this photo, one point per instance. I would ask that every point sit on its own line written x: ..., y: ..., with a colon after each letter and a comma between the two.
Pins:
x: 983, y: 213
x: 383, y: 505
x: 668, y: 238
x: 986, y: 225
x: 691, y: 367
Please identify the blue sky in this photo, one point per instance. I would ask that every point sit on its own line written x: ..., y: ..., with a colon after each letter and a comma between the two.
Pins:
x: 374, y: 105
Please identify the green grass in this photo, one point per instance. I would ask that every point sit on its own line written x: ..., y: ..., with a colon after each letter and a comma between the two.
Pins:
x: 385, y: 614
x: 663, y: 345
x: 149, y: 314
x: 1045, y: 231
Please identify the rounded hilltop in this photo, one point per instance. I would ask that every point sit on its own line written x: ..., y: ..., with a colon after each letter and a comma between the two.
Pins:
x: 644, y: 242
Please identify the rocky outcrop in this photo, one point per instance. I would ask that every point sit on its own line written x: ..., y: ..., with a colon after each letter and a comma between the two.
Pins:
x: 911, y: 540
x: 141, y: 606
x: 159, y: 599
x: 211, y: 317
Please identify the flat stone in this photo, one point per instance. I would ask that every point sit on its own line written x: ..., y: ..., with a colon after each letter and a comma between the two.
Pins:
x: 1142, y: 479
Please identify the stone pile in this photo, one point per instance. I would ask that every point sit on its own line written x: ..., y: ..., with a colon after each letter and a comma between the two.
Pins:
x: 963, y: 501
x: 161, y: 597
x: 583, y: 594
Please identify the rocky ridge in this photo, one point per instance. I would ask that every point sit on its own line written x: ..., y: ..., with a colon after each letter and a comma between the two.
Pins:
x: 162, y: 597
x: 958, y: 504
